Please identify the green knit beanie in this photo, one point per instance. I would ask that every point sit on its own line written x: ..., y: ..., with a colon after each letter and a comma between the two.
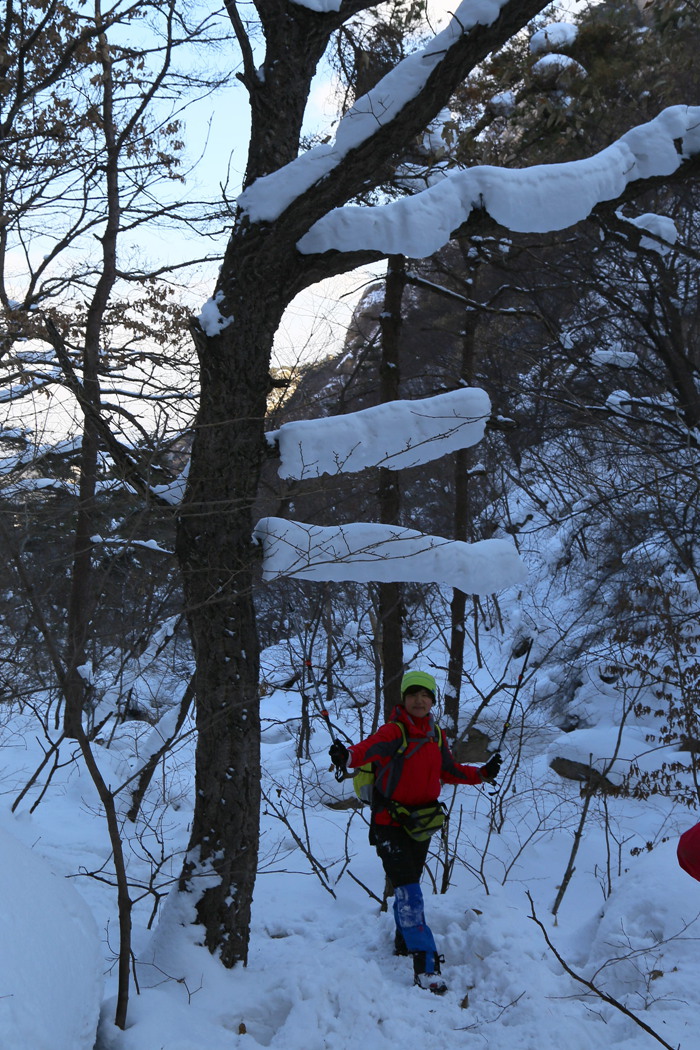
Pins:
x: 419, y: 678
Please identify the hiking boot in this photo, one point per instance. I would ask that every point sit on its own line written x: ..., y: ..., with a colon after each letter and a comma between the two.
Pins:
x: 431, y: 982
x: 400, y: 944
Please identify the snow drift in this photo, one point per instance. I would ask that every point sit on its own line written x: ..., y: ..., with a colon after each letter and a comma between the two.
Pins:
x: 51, y: 960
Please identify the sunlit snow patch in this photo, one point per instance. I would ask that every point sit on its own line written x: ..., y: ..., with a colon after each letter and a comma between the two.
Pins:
x: 396, y: 435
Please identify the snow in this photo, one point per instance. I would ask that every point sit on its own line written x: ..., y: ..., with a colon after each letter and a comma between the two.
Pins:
x: 395, y: 435
x: 502, y: 103
x: 51, y: 956
x: 210, y: 318
x: 319, y: 5
x: 10, y: 463
x: 174, y: 491
x: 555, y: 62
x: 615, y: 355
x: 537, y: 199
x: 597, y: 746
x: 652, y: 904
x: 269, y: 196
x: 128, y: 545
x: 553, y: 36
x: 368, y: 551
x: 661, y: 226
x: 320, y: 974
x: 619, y: 401
x: 38, y: 485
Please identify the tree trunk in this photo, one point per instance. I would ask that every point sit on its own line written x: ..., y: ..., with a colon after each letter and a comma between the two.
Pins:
x: 462, y: 517
x: 391, y: 594
x: 81, y: 601
x: 218, y: 560
x: 260, y: 274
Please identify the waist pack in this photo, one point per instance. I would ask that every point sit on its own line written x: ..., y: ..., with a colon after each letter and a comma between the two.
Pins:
x: 420, y: 822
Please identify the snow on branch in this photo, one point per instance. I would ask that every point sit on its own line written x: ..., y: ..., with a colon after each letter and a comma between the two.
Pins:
x: 537, y: 199
x: 395, y: 435
x: 33, y: 455
x: 319, y: 5
x: 663, y: 230
x: 552, y: 64
x: 268, y: 197
x: 363, y: 552
x: 553, y: 37
x: 129, y: 545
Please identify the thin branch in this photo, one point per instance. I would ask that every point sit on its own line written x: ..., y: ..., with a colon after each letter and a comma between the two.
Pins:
x: 591, y: 986
x: 130, y: 470
x: 366, y: 888
x: 249, y: 77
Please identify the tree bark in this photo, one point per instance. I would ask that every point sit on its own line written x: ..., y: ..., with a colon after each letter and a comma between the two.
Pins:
x: 219, y: 560
x: 462, y: 517
x: 391, y: 594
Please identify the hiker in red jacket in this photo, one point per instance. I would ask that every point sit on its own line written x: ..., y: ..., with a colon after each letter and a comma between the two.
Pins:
x: 411, y: 761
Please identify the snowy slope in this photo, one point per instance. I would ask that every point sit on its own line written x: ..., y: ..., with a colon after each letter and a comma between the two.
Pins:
x: 51, y: 961
x: 321, y: 975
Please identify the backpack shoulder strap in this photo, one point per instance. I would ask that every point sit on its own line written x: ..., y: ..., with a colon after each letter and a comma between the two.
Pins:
x: 388, y: 777
x: 404, y: 736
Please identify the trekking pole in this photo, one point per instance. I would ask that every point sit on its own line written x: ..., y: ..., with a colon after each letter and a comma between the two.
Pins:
x: 506, y: 724
x: 339, y: 772
x: 511, y: 709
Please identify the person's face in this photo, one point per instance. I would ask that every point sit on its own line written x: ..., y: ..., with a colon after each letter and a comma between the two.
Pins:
x: 418, y: 704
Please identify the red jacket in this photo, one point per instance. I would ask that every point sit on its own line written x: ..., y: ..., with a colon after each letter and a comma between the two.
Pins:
x: 423, y: 768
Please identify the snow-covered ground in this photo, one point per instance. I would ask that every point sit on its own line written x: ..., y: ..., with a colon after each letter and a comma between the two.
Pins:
x: 321, y: 974
x: 612, y: 961
x: 51, y: 957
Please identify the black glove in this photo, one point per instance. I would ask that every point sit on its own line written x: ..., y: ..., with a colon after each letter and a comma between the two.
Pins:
x: 492, y: 768
x: 339, y: 754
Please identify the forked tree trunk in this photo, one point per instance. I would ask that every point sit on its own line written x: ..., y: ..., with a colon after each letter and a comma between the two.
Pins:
x: 260, y: 274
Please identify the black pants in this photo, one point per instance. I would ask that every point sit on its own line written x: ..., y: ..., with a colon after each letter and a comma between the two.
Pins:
x: 402, y: 857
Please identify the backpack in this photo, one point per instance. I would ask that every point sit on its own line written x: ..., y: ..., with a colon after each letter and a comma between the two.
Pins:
x: 420, y: 822
x: 363, y: 780
x: 689, y: 851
